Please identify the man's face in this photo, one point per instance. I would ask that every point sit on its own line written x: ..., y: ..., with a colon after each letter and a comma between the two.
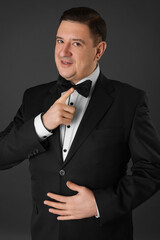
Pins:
x: 75, y: 53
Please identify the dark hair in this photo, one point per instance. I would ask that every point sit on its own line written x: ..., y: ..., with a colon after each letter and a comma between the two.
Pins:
x: 89, y: 17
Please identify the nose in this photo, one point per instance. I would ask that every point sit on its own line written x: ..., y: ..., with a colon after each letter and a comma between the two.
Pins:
x: 65, y: 51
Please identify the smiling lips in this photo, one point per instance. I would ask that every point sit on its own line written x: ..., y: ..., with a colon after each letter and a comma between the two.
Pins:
x: 65, y: 63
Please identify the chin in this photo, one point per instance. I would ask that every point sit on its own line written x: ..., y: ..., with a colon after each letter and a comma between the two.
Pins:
x: 68, y: 77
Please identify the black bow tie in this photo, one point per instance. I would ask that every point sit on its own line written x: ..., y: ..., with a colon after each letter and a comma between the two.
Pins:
x: 82, y: 88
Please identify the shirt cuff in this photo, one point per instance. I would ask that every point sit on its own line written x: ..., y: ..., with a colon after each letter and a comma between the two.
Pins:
x: 98, y: 214
x: 40, y: 129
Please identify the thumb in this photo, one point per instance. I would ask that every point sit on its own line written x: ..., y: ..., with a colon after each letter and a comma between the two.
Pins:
x: 73, y: 186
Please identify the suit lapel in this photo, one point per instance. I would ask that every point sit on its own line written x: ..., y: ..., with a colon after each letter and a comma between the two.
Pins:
x: 51, y: 97
x: 99, y: 104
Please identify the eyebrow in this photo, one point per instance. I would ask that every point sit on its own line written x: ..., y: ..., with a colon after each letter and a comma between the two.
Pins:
x: 74, y: 39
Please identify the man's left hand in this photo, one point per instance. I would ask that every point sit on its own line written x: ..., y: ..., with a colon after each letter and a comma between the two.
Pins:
x: 81, y: 205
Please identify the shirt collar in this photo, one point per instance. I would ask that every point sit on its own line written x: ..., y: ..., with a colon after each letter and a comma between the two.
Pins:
x: 93, y: 77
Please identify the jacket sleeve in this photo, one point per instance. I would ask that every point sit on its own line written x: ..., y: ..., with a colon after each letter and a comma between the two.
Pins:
x: 19, y: 141
x: 134, y: 189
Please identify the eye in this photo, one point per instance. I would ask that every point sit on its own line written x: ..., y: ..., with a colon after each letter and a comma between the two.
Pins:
x: 76, y: 44
x: 59, y: 41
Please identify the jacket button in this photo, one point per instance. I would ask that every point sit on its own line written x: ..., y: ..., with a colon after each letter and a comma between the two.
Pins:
x: 62, y: 172
x: 36, y: 150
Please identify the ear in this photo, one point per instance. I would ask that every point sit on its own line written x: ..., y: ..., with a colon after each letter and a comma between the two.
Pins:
x: 101, y: 47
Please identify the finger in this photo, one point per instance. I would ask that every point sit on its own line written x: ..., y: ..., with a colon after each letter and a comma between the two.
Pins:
x: 58, y: 212
x: 68, y: 115
x: 66, y: 121
x: 69, y: 217
x: 55, y: 205
x: 64, y: 97
x: 69, y: 109
x: 57, y: 197
x: 73, y: 186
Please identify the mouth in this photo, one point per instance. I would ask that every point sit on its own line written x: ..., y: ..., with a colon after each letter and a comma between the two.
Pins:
x: 66, y: 63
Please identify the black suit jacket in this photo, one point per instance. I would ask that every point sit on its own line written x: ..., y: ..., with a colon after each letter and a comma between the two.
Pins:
x: 116, y: 127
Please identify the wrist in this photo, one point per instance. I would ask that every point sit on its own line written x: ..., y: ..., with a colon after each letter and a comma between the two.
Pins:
x: 41, y: 131
x: 42, y: 118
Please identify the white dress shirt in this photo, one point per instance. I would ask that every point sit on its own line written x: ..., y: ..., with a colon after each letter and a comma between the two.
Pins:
x: 67, y: 133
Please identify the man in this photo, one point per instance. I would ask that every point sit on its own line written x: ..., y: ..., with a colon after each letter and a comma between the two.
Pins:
x: 79, y: 134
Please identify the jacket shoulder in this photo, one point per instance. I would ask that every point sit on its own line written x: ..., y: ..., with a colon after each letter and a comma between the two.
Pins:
x: 122, y: 89
x: 40, y: 90
x: 129, y: 93
x: 126, y: 88
x: 124, y: 93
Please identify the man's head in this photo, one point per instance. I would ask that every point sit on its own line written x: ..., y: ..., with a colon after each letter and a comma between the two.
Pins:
x: 89, y: 17
x: 80, y: 43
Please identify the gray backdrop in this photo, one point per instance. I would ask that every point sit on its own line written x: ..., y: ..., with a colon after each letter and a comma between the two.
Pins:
x: 27, y: 33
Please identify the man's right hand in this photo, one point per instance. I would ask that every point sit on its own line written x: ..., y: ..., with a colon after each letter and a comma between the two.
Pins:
x: 59, y: 113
